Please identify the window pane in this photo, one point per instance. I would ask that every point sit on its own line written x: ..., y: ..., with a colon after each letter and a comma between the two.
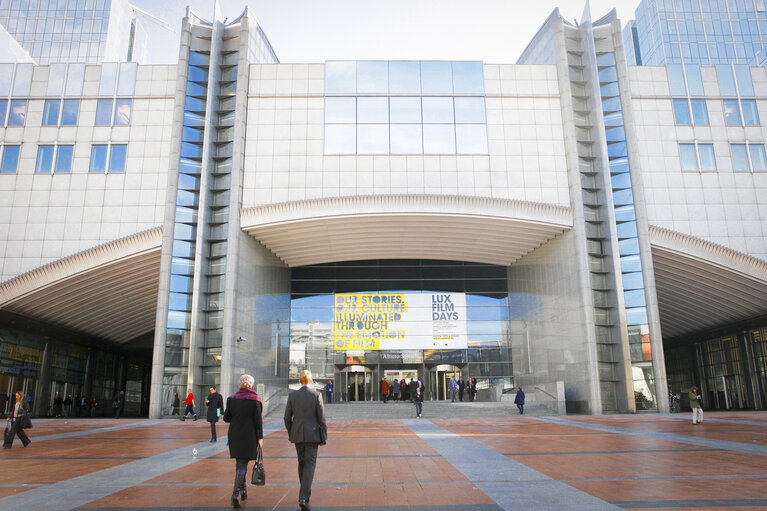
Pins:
x: 23, y: 80
x: 707, y: 160
x: 468, y: 78
x: 689, y: 157
x: 123, y: 108
x: 56, y: 76
x: 437, y: 110
x: 731, y: 112
x: 6, y: 73
x: 405, y: 110
x: 51, y: 112
x: 341, y: 77
x: 631, y: 263
x: 373, y: 139
x: 18, y: 112
x: 469, y: 110
x: 340, y: 139
x: 635, y: 298
x: 108, y: 80
x: 127, y: 81
x: 63, y: 158
x: 694, y: 80
x: 758, y: 157
x: 44, y: 158
x: 3, y: 111
x: 10, y: 159
x: 75, y: 75
x: 117, y: 158
x: 676, y: 80
x: 340, y: 110
x: 726, y: 81
x: 745, y: 81
x: 404, y: 77
x: 699, y: 112
x: 373, y: 77
x: 98, y: 158
x: 406, y: 138
x: 471, y: 138
x: 438, y: 138
x: 436, y: 77
x: 633, y: 281
x: 750, y: 113
x: 681, y: 112
x: 103, y: 112
x: 372, y: 110
x: 69, y: 112
x: 636, y: 316
x: 739, y: 158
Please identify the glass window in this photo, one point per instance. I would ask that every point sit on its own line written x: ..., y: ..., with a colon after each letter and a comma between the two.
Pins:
x: 726, y: 81
x: 739, y: 158
x: 406, y: 138
x: 127, y: 81
x: 405, y: 110
x: 758, y: 157
x: 469, y: 110
x: 634, y: 298
x: 340, y: 110
x: 404, y: 77
x: 6, y: 74
x: 636, y: 316
x: 63, y: 158
x: 630, y: 263
x: 117, y: 158
x: 689, y: 157
x: 75, y: 75
x: 699, y: 112
x: 676, y: 79
x: 372, y: 110
x: 745, y: 81
x: 468, y: 78
x: 71, y: 108
x: 437, y: 110
x: 633, y: 280
x: 123, y: 109
x: 340, y: 138
x: 103, y: 112
x: 681, y: 112
x: 340, y: 77
x: 438, y: 138
x: 471, y: 138
x: 98, y: 158
x: 436, y: 77
x: 372, y: 139
x: 731, y: 112
x: 108, y: 80
x: 18, y: 112
x: 707, y: 159
x: 694, y: 80
x: 750, y: 113
x: 56, y: 77
x: 51, y: 112
x: 3, y: 111
x: 23, y: 79
x: 44, y: 158
x: 10, y: 159
x: 373, y: 77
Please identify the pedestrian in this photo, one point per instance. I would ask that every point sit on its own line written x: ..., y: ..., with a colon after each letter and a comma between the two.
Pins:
x: 83, y: 410
x: 461, y: 387
x: 305, y: 422
x: 58, y: 406
x: 16, y: 423
x: 329, y: 390
x: 418, y: 400
x: 473, y: 393
x: 384, y: 389
x: 519, y: 400
x: 453, y: 389
x: 175, y: 405
x: 696, y: 403
x: 215, y: 408
x: 411, y: 388
x: 67, y: 406
x: 395, y: 389
x: 94, y: 407
x: 246, y: 432
x: 119, y: 403
x: 189, y: 402
x: 469, y: 386
x: 403, y: 390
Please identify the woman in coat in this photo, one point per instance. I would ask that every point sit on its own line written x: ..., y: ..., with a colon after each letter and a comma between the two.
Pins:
x: 246, y: 432
x: 17, y: 421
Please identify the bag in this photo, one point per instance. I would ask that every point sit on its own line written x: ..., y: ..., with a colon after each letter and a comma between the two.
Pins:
x: 258, y: 477
x: 7, y: 438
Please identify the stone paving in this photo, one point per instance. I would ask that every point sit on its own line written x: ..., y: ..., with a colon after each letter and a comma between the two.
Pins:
x: 380, y: 458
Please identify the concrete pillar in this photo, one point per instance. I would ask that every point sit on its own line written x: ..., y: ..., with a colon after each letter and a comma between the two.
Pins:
x: 43, y: 387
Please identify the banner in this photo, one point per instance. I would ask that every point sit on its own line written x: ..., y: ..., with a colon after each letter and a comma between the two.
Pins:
x: 399, y: 321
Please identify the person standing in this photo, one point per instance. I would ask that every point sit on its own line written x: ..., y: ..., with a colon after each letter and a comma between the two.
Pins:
x: 67, y: 406
x: 468, y: 389
x: 215, y: 408
x: 246, y: 431
x: 395, y: 389
x: 175, y: 405
x: 696, y: 403
x: 384, y: 389
x: 453, y: 389
x: 189, y: 402
x: 120, y: 403
x: 461, y: 387
x: 473, y: 392
x: 19, y: 417
x: 418, y: 400
x: 58, y: 406
x: 329, y: 390
x: 519, y: 400
x: 305, y: 422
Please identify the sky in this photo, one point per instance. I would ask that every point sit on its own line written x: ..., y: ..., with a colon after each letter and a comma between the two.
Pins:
x: 304, y: 31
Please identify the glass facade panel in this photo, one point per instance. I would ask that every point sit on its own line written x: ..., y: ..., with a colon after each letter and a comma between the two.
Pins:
x: 689, y: 157
x: 108, y: 80
x: 404, y: 77
x: 438, y: 138
x: 681, y: 112
x: 6, y: 77
x: 63, y: 158
x: 372, y: 77
x: 340, y: 110
x: 468, y: 78
x: 739, y: 158
x: 126, y: 83
x: 44, y: 158
x: 436, y: 77
x: 707, y: 158
x: 758, y: 157
x: 470, y: 110
x: 103, y: 112
x: 699, y: 112
x: 372, y: 139
x: 51, y: 112
x: 438, y: 110
x: 98, y: 158
x: 340, y: 77
x: 10, y: 159
x: 750, y: 113
x: 676, y: 80
x: 745, y: 81
x: 18, y: 112
x: 694, y: 80
x: 340, y: 139
x: 406, y: 138
x: 123, y: 109
x: 372, y: 110
x: 404, y: 110
x: 69, y: 112
x: 3, y: 111
x: 726, y: 80
x: 117, y: 157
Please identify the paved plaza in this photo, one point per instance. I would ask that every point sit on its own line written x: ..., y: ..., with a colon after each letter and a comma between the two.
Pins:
x: 455, y: 458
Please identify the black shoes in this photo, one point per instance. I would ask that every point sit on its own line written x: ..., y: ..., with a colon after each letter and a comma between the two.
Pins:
x: 195, y: 417
x: 213, y: 440
x: 235, y: 502
x: 244, y: 494
x: 304, y: 505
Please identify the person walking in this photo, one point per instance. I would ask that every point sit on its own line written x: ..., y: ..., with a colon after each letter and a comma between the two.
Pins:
x: 395, y: 389
x: 404, y: 390
x: 246, y: 432
x: 519, y: 400
x: 215, y: 408
x: 469, y: 386
x: 329, y: 390
x: 384, y: 389
x: 176, y: 403
x: 305, y: 422
x: 418, y: 400
x: 18, y: 420
x: 58, y: 406
x: 461, y: 387
x: 119, y: 403
x: 696, y: 403
x: 473, y: 393
x: 189, y: 402
x: 453, y: 389
x: 94, y: 407
x: 67, y: 406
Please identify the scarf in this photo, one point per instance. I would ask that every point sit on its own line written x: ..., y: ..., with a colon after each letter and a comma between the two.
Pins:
x: 246, y: 394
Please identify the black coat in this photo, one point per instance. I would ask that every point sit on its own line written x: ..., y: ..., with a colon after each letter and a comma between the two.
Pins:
x: 305, y: 417
x: 215, y: 401
x: 245, y: 428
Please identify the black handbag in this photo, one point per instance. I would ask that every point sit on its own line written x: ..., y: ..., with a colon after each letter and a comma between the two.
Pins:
x: 258, y: 477
x: 7, y: 438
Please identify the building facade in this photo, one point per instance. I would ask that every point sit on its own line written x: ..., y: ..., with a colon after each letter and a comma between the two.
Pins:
x: 589, y: 230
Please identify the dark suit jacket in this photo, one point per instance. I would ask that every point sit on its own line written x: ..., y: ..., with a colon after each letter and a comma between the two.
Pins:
x: 245, y: 428
x: 215, y: 401
x: 305, y: 417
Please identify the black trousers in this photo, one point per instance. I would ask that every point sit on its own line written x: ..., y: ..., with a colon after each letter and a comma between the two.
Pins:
x: 213, y: 431
x: 241, y: 472
x: 307, y: 461
x: 17, y: 431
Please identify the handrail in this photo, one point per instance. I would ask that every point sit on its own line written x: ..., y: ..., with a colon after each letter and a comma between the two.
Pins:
x: 552, y: 397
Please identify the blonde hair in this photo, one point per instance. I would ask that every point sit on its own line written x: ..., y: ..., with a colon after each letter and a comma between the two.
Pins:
x: 305, y: 378
x: 246, y: 381
x: 19, y: 396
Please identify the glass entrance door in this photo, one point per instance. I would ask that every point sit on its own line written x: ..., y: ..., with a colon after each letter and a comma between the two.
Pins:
x: 357, y: 386
x: 444, y: 374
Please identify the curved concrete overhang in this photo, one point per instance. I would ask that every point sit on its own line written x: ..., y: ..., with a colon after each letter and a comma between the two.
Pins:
x: 109, y: 291
x: 472, y: 229
x: 702, y: 285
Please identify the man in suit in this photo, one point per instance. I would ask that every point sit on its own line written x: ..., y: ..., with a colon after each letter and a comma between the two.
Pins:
x: 215, y: 408
x: 305, y: 422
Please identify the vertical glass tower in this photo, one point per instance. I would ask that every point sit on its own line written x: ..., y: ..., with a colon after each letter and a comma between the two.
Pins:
x: 698, y: 32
